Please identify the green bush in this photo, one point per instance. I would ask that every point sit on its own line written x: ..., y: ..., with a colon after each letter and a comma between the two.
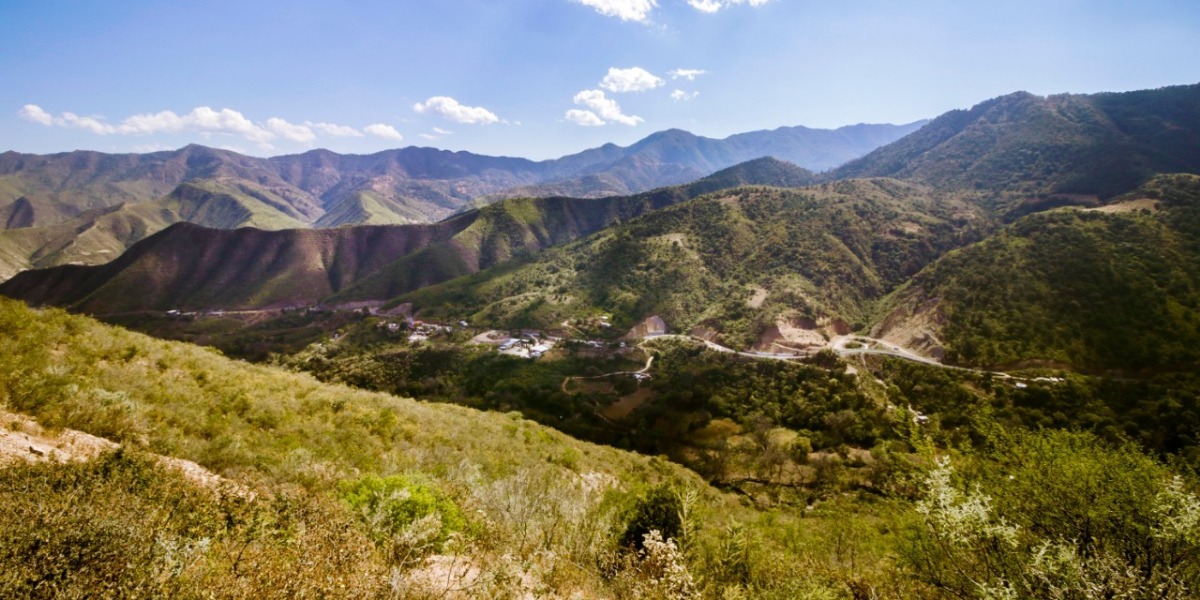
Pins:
x: 1057, y: 515
x: 659, y: 509
x: 391, y: 505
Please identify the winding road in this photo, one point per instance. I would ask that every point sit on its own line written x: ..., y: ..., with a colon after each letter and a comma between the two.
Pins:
x: 840, y: 345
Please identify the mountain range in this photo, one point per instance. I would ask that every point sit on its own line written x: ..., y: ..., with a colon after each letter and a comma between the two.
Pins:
x: 1086, y: 196
x: 222, y: 189
x: 187, y: 266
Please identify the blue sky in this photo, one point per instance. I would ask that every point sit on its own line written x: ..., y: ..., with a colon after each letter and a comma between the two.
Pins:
x: 543, y: 78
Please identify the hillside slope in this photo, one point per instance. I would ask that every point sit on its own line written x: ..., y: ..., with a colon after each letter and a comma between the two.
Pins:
x: 1116, y: 287
x: 290, y: 449
x: 186, y: 267
x: 1102, y: 144
x: 191, y: 267
x: 732, y: 261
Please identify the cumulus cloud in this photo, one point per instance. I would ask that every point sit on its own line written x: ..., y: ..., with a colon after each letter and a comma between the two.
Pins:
x: 386, y: 132
x: 295, y: 133
x: 682, y: 96
x: 202, y: 119
x: 712, y: 6
x: 585, y: 118
x: 334, y: 129
x: 205, y: 121
x: 601, y: 107
x: 152, y: 147
x: 33, y: 112
x: 633, y: 79
x: 449, y: 108
x: 626, y: 10
x: 688, y: 74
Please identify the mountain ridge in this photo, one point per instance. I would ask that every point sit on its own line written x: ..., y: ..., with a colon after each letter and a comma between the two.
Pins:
x: 321, y: 188
x: 187, y: 266
x: 1033, y: 146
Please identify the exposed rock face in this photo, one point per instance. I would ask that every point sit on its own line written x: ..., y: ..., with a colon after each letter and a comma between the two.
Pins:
x: 651, y: 327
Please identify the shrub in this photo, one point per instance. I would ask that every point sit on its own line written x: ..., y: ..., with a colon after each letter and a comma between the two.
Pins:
x: 659, y: 510
x: 403, y: 510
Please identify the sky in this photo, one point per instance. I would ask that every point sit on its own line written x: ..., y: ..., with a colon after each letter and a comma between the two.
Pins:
x: 545, y: 78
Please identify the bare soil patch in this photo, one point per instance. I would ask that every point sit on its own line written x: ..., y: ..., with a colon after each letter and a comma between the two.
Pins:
x: 22, y: 439
x: 1149, y: 204
x: 627, y: 404
x: 757, y: 297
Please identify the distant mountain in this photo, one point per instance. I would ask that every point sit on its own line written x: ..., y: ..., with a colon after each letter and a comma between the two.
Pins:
x: 191, y: 267
x: 761, y: 171
x: 40, y: 190
x: 1102, y: 144
x: 223, y: 189
x: 1115, y: 287
x: 96, y: 236
x: 675, y: 156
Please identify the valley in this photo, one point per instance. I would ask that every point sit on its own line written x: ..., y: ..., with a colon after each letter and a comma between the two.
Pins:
x: 916, y: 373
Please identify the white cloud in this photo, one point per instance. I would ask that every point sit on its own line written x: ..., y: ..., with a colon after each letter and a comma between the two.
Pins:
x: 33, y: 112
x: 712, y: 6
x: 682, y: 96
x: 152, y: 147
x: 334, y: 129
x: 449, y: 108
x: 604, y: 108
x: 207, y: 122
x: 626, y: 10
x: 386, y: 132
x: 202, y: 119
x: 440, y: 131
x: 688, y: 74
x: 633, y: 79
x: 296, y: 133
x: 585, y: 118
x: 91, y: 124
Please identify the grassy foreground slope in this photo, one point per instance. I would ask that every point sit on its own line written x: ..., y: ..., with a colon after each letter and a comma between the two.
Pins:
x: 343, y: 494
x: 489, y: 502
x: 1112, y: 288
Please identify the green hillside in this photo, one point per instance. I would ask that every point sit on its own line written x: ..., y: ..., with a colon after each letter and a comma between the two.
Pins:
x: 1031, y: 146
x: 828, y: 251
x: 333, y: 491
x: 223, y: 204
x: 328, y: 491
x: 100, y: 235
x: 366, y: 208
x: 1111, y: 288
x: 95, y: 237
x: 184, y: 268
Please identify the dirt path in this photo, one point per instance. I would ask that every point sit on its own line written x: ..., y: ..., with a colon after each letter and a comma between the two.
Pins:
x: 645, y: 369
